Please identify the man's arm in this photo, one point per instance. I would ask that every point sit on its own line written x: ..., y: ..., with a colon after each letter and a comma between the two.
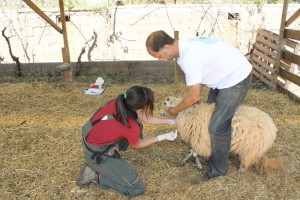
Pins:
x: 193, y: 96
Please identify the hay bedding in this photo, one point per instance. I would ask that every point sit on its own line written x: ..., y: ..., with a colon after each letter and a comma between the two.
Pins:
x: 41, y: 147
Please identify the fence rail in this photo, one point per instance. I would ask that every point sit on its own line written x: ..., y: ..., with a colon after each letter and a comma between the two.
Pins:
x: 263, y: 59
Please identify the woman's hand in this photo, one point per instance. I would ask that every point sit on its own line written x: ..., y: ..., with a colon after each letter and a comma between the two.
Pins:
x: 168, y: 136
x: 172, y: 121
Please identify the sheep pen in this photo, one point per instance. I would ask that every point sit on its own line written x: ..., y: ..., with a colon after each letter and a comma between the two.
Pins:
x: 41, y: 148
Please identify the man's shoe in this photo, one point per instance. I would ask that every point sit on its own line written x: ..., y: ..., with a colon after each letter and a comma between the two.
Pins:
x: 86, y: 176
x: 206, y: 177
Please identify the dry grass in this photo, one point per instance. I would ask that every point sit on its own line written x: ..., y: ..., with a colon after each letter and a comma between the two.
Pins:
x: 41, y: 147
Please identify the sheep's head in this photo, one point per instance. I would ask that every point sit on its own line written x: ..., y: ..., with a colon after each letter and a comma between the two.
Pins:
x: 169, y: 102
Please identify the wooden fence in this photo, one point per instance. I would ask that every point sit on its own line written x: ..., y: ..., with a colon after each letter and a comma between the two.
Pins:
x: 276, y: 57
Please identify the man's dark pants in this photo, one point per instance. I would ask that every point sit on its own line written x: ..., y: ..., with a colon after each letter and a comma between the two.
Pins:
x: 227, y: 101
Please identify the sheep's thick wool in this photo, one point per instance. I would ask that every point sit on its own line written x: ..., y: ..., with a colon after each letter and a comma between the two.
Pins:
x: 253, y: 133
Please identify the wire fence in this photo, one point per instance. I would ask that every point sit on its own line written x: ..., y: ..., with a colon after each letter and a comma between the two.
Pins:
x: 119, y: 32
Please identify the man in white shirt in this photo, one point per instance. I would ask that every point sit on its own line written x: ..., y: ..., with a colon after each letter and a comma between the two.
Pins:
x: 219, y: 66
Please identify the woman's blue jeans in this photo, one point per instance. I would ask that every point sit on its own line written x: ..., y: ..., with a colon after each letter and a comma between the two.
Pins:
x: 227, y: 101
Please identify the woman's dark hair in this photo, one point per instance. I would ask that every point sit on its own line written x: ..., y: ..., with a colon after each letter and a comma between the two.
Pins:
x: 136, y: 97
x: 158, y: 40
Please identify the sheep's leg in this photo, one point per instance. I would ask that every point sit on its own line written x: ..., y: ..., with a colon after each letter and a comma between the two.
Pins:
x: 241, y: 169
x: 242, y: 165
x: 198, y: 162
x: 246, y: 163
x: 235, y: 159
x: 185, y: 160
x: 197, y: 159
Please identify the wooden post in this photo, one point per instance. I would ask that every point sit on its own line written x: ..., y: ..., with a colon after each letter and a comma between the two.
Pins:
x: 176, y: 66
x: 293, y: 68
x: 292, y: 18
x: 65, y: 50
x: 280, y: 44
x: 38, y: 11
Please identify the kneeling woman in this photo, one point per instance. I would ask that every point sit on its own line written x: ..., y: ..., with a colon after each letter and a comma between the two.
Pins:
x: 112, y: 129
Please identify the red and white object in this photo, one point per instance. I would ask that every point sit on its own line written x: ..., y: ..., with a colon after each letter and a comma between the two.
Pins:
x: 96, y: 88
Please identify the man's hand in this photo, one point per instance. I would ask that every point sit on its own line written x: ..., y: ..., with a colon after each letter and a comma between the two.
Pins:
x: 171, y: 111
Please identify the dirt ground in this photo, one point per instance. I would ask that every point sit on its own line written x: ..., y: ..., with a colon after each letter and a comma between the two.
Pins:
x: 41, y: 150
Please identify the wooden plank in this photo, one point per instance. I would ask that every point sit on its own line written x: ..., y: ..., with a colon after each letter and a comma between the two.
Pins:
x: 292, y: 34
x: 269, y: 43
x: 285, y: 66
x: 293, y: 67
x: 289, y: 76
x: 286, y: 62
x: 270, y: 35
x: 68, y: 74
x: 176, y: 66
x: 290, y: 43
x: 263, y: 64
x: 255, y: 73
x: 292, y: 18
x: 260, y: 31
x: 289, y: 56
x: 64, y: 27
x: 266, y: 50
x: 262, y: 70
x: 262, y: 55
x: 289, y: 93
x: 280, y: 82
x: 43, y: 15
x: 265, y: 59
x: 274, y: 36
x: 262, y: 78
x: 280, y: 45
